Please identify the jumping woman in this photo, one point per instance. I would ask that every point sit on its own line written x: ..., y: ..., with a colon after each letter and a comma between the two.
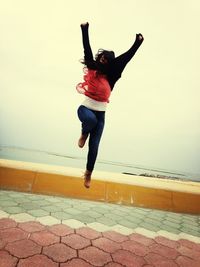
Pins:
x: 100, y: 76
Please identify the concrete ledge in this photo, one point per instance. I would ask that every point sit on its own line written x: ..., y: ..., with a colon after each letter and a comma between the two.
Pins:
x: 173, y: 195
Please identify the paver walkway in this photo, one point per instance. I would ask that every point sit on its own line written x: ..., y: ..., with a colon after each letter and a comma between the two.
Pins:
x: 47, y: 231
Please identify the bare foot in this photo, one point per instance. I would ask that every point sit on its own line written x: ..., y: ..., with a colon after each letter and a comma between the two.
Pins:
x: 82, y: 140
x: 87, y: 178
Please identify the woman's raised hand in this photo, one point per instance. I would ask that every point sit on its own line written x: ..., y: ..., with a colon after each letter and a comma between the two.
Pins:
x: 139, y: 37
x: 85, y: 24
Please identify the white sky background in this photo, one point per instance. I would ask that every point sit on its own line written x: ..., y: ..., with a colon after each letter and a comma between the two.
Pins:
x: 153, y: 118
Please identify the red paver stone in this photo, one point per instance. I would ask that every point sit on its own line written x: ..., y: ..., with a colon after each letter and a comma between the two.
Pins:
x: 114, y: 236
x: 88, y: 233
x: 31, y: 227
x: 159, y: 261
x: 95, y: 256
x: 189, y: 244
x: 167, y: 252
x: 128, y: 259
x: 135, y: 248
x: 6, y: 260
x: 76, y: 263
x: 106, y: 244
x: 76, y: 241
x: 12, y: 234
x: 23, y: 248
x: 2, y: 244
x: 37, y: 261
x: 142, y: 239
x: 59, y: 252
x: 44, y: 238
x: 187, y: 262
x: 113, y: 264
x: 188, y: 252
x: 166, y: 242
x: 7, y: 223
x: 61, y: 229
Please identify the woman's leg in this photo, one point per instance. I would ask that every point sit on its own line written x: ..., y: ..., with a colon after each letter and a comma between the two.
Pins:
x: 89, y: 121
x: 94, y: 140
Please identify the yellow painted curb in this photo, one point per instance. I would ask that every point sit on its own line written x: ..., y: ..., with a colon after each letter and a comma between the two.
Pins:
x: 173, y: 195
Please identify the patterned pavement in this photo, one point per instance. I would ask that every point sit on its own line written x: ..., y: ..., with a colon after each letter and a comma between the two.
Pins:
x: 47, y: 231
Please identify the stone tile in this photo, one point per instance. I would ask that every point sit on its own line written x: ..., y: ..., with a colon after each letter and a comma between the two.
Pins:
x: 35, y: 197
x: 22, y: 217
x: 81, y: 208
x: 106, y: 244
x: 62, y: 205
x: 72, y: 211
x: 189, y: 244
x: 76, y: 263
x: 31, y: 227
x: 61, y: 215
x: 76, y: 241
x: 2, y: 244
x: 190, y: 231
x: 171, y: 224
x: 23, y: 248
x: 150, y: 227
x: 164, y: 251
x: 20, y: 200
x: 188, y: 252
x: 135, y: 247
x: 52, y: 208
x: 95, y: 256
x: 8, y: 203
x: 12, y: 234
x: 158, y: 260
x: 105, y: 221
x: 126, y: 258
x: 3, y: 214
x: 83, y: 218
x: 101, y: 210
x: 170, y: 229
x: 41, y: 203
x: 73, y: 223
x: 132, y: 219
x: 128, y: 224
x: 6, y: 260
x: 29, y: 206
x: 48, y: 220
x: 187, y: 262
x: 7, y: 223
x: 146, y: 241
x: 145, y: 232
x: 59, y: 252
x: 167, y: 242
x: 38, y: 213
x: 88, y: 233
x: 114, y: 264
x: 60, y: 229
x: 114, y: 217
x: 168, y: 235
x: 14, y: 210
x: 189, y: 237
x: 114, y: 236
x: 44, y: 238
x: 98, y: 226
x: 93, y: 214
x: 37, y: 261
x: 121, y: 229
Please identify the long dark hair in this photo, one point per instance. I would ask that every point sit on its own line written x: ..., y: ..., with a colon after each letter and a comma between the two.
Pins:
x: 96, y: 64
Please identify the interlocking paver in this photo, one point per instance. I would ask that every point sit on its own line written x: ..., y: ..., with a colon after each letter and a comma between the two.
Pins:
x: 60, y: 229
x: 31, y: 227
x: 59, y: 252
x: 96, y: 234
x: 6, y: 260
x: 44, y: 238
x: 76, y: 241
x: 12, y: 234
x: 48, y: 220
x: 22, y: 217
x: 95, y: 256
x: 37, y: 261
x: 23, y: 248
x: 126, y: 258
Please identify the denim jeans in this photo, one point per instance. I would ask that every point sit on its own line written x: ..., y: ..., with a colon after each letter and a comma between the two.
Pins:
x: 92, y: 124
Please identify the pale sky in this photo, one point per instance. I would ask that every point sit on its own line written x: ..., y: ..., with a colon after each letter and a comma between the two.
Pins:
x: 153, y: 118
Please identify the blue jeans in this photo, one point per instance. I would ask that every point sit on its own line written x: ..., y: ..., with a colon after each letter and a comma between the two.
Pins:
x: 92, y: 124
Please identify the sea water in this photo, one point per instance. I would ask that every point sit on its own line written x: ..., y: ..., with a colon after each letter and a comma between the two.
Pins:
x: 24, y: 154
